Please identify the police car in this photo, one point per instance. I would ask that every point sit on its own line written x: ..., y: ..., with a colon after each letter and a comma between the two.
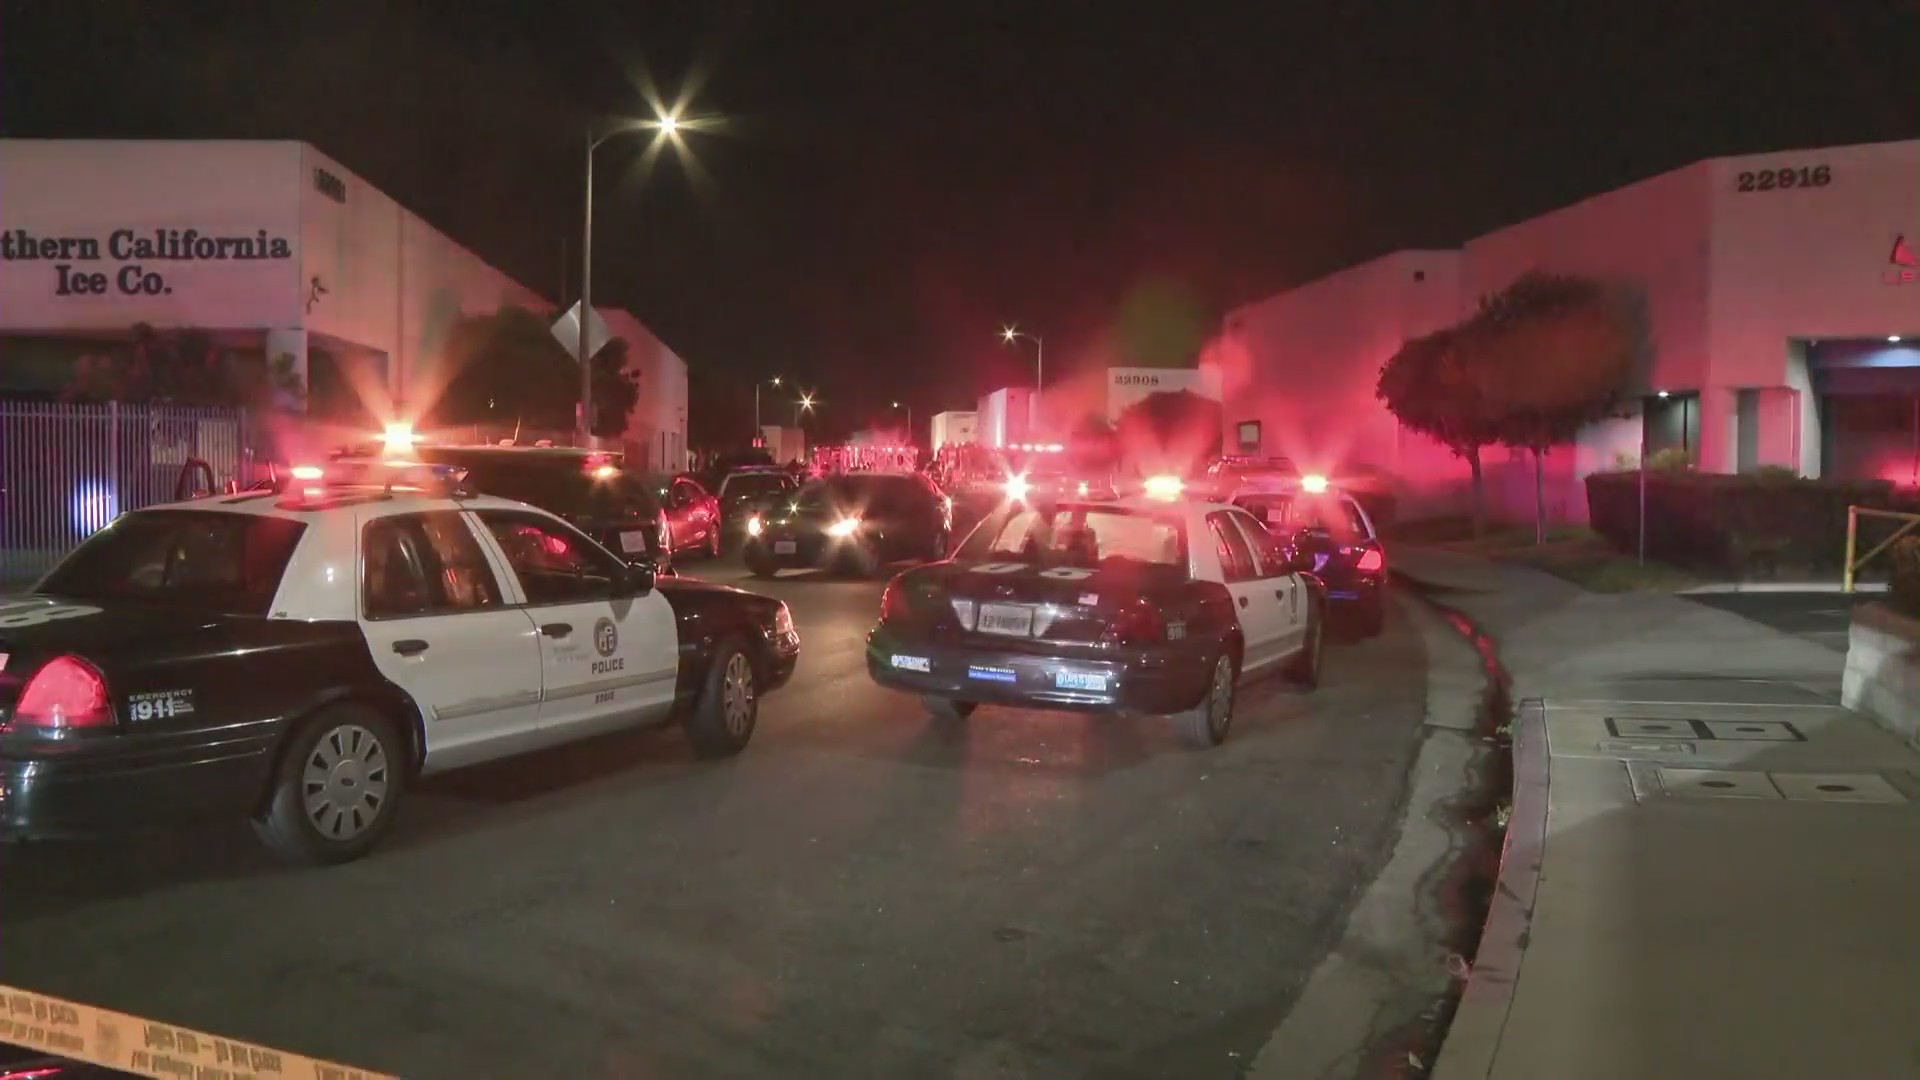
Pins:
x: 301, y: 655
x: 1154, y: 604
x: 1332, y: 532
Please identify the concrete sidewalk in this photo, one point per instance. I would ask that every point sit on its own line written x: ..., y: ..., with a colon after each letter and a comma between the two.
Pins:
x: 1713, y: 870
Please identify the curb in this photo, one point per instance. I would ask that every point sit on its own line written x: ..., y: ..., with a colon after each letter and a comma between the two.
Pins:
x: 1802, y: 587
x: 1473, y: 1039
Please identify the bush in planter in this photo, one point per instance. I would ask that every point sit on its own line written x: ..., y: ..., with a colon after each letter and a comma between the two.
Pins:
x: 1724, y: 522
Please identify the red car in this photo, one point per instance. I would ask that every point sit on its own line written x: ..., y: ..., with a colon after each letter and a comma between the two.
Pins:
x: 694, y: 521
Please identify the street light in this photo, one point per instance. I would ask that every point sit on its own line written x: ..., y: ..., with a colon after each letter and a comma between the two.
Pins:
x: 666, y: 124
x: 775, y: 381
x: 1010, y: 334
x: 804, y: 405
x: 909, y: 409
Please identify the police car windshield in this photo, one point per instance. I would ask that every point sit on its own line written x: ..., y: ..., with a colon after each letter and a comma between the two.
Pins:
x: 1078, y: 536
x: 1336, y: 515
x: 198, y: 560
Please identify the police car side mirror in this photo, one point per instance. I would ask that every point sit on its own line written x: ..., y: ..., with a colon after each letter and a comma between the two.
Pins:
x: 638, y: 580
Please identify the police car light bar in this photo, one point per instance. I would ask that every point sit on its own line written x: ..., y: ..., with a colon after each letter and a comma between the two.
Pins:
x: 1313, y: 483
x: 398, y: 437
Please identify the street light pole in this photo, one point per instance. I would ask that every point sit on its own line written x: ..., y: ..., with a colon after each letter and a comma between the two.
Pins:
x: 758, y: 383
x: 667, y: 124
x: 586, y: 299
x: 1009, y: 334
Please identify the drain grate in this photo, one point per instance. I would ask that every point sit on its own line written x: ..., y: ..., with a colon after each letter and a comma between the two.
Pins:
x: 1667, y: 727
x: 1716, y: 784
x: 1837, y: 788
x: 1753, y: 730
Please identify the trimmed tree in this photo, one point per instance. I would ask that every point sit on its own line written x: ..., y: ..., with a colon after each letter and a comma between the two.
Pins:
x: 1555, y: 354
x: 1432, y: 386
x: 507, y: 368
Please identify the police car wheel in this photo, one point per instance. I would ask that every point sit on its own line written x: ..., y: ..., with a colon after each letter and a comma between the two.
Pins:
x: 723, y: 721
x: 1207, y: 723
x: 336, y: 789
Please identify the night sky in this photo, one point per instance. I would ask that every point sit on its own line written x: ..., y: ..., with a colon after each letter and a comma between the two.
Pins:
x: 895, y: 180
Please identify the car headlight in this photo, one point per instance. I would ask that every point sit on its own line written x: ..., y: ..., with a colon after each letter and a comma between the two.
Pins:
x: 754, y: 526
x: 782, y: 621
x: 844, y: 528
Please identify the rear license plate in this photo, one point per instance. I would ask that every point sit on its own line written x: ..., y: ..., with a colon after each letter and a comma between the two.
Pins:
x: 633, y: 543
x: 912, y: 663
x: 1079, y: 680
x: 785, y: 547
x: 1006, y: 619
x: 992, y: 674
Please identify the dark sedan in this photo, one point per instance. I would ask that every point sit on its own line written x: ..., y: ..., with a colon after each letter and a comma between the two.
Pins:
x: 858, y: 522
x: 587, y: 488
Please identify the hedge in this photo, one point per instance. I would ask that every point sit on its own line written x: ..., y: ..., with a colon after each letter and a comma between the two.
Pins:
x: 1739, y: 523
x: 1904, y: 581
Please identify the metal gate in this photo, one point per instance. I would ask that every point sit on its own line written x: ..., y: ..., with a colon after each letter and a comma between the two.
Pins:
x: 66, y: 470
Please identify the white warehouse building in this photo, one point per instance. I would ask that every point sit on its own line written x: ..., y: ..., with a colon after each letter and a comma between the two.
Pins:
x: 275, y: 250
x: 1784, y: 307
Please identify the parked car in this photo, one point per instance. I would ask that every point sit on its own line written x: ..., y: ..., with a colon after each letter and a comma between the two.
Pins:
x: 693, y: 514
x: 858, y: 522
x: 587, y: 488
x: 1140, y: 605
x: 743, y: 491
x: 1331, y: 528
x: 299, y: 656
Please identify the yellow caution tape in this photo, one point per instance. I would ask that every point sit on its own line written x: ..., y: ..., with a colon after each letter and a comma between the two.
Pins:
x: 144, y: 1048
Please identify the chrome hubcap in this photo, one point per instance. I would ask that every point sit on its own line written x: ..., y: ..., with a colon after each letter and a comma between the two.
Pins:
x: 736, y: 694
x: 344, y: 783
x: 1220, y: 701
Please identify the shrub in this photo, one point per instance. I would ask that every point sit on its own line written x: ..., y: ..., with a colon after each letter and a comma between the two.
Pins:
x: 1735, y: 523
x: 1672, y: 459
x: 1903, y: 588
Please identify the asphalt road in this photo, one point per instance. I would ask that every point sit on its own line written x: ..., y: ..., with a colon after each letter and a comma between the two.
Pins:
x: 1821, y: 618
x: 1042, y: 895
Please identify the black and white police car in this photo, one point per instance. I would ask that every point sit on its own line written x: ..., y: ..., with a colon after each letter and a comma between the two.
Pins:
x: 1144, y: 605
x: 300, y: 655
x: 1332, y: 532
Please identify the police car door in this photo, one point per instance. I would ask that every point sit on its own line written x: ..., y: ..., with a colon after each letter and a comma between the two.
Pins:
x: 440, y: 625
x: 605, y: 660
x: 1289, y: 594
x: 1262, y: 621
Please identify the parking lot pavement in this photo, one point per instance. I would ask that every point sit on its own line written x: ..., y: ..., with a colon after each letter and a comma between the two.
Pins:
x: 1820, y: 617
x: 858, y: 894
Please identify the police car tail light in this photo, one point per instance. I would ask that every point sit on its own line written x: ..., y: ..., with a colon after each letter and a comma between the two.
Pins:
x: 1137, y: 624
x: 754, y: 526
x: 1372, y: 562
x: 67, y: 692
x: 845, y: 527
